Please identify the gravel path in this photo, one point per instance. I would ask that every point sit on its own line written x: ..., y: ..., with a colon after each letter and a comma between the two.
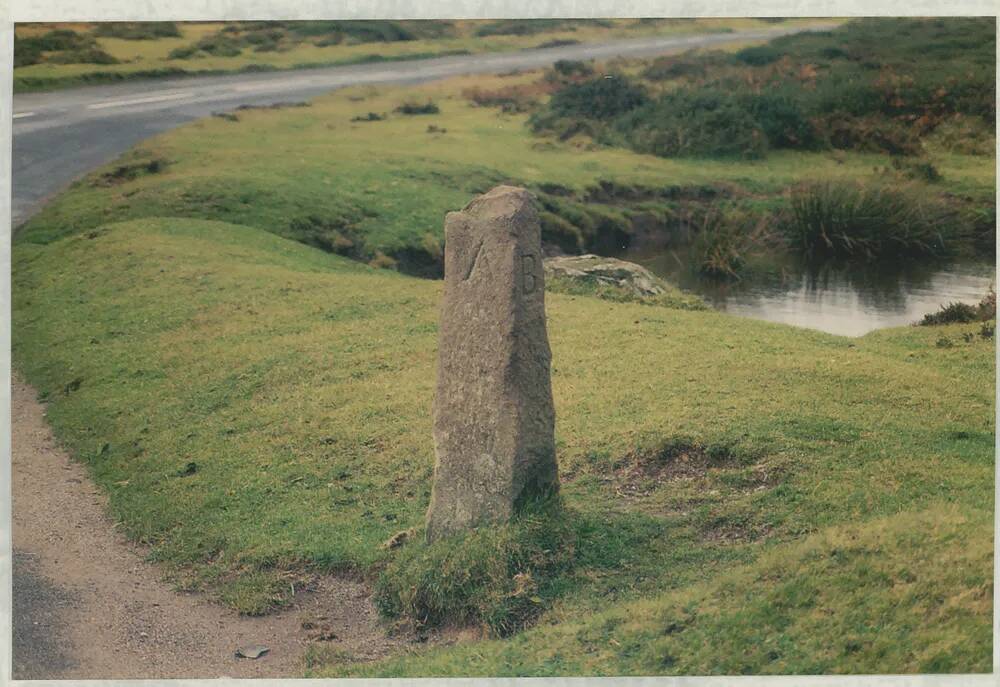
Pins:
x: 87, y: 604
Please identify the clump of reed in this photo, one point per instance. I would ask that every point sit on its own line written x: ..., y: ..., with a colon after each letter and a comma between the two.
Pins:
x: 853, y: 220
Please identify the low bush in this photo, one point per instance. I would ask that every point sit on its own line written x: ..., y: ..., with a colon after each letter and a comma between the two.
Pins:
x: 689, y: 122
x: 510, y: 99
x: 59, y: 46
x: 84, y: 56
x: 413, y: 108
x: 137, y: 30
x: 952, y: 313
x: 217, y: 45
x: 521, y: 27
x: 852, y: 220
x: 557, y: 43
x: 759, y: 55
x: 603, y: 98
x: 60, y: 39
x: 572, y: 68
x: 689, y: 65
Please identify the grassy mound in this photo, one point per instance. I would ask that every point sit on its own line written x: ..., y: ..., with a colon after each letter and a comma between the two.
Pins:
x: 259, y: 411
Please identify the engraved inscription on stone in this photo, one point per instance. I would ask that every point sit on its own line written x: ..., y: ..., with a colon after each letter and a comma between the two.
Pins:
x: 493, y: 415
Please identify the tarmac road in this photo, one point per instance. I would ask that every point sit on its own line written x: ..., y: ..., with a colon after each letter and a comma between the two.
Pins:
x: 61, y: 135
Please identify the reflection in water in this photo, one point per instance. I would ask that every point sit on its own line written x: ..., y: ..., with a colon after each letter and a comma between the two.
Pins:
x: 849, y: 301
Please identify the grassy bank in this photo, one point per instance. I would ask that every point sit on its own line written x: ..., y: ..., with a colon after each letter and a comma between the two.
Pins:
x: 259, y: 411
x: 737, y: 496
x: 377, y: 190
x: 49, y: 56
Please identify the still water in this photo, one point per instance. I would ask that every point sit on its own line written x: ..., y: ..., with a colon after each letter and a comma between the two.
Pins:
x: 845, y: 300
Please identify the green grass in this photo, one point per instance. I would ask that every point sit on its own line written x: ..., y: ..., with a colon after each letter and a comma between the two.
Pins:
x: 138, y: 53
x: 299, y: 385
x: 737, y: 496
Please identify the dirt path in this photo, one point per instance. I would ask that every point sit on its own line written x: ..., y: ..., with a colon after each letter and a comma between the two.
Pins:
x: 86, y: 604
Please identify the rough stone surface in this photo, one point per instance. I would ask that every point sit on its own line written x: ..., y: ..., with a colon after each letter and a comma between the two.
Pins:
x: 595, y: 269
x: 493, y: 414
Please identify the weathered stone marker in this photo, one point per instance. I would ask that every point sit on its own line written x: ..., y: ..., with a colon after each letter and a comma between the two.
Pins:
x: 493, y: 414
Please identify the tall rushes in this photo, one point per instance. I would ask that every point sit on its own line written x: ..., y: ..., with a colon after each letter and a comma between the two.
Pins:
x: 870, y: 221
x: 727, y: 239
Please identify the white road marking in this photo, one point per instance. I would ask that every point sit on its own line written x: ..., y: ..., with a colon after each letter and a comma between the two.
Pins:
x: 139, y: 101
x: 276, y: 85
x: 18, y: 115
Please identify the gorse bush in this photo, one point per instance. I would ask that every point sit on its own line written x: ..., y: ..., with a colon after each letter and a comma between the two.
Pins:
x: 138, y: 30
x: 412, y: 108
x: 59, y: 46
x: 589, y: 106
x: 528, y: 27
x: 953, y: 313
x: 603, y: 98
x: 217, y: 45
x: 854, y: 220
x: 693, y: 123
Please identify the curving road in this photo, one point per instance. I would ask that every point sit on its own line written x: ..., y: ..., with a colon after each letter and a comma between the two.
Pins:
x: 60, y: 135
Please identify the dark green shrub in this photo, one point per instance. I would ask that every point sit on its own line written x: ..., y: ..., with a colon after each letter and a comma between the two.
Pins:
x: 696, y: 123
x: 85, y: 56
x: 183, y: 53
x: 572, y: 68
x: 951, y: 314
x: 137, y: 30
x: 688, y: 65
x: 375, y: 31
x: 61, y: 39
x: 558, y: 43
x: 520, y: 27
x: 218, y: 45
x: 418, y: 108
x: 759, y: 55
x: 369, y: 31
x: 783, y: 120
x: 26, y: 52
x: 602, y: 98
x: 921, y: 170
